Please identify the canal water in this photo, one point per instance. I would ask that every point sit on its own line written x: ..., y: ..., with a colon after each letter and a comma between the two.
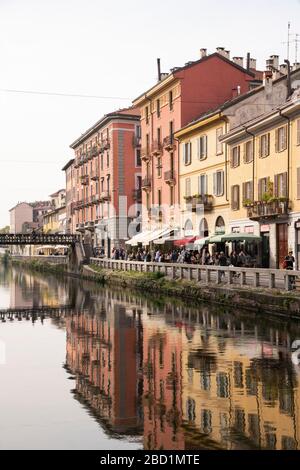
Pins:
x: 87, y: 367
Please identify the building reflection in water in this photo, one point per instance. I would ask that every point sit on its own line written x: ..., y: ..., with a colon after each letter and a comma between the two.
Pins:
x: 185, y: 378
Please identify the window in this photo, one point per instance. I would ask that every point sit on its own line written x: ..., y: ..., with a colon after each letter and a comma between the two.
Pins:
x: 248, y: 191
x: 219, y: 145
x: 235, y: 156
x: 147, y: 143
x: 138, y: 160
x: 187, y: 153
x: 218, y: 188
x: 235, y: 197
x: 281, y: 139
x: 202, y: 184
x: 171, y: 100
x: 280, y: 185
x: 263, y: 184
x: 138, y: 132
x: 202, y: 147
x: 298, y: 132
x: 159, y: 197
x: 159, y: 166
x: 171, y: 195
x: 107, y: 159
x: 298, y: 183
x: 187, y: 187
x: 158, y: 135
x: 264, y: 145
x: 158, y: 108
x: 101, y: 162
x: 248, y: 151
x: 147, y: 114
x: 222, y: 385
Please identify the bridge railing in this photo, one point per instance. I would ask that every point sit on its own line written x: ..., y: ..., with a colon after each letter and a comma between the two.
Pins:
x: 37, y: 239
x: 252, y: 277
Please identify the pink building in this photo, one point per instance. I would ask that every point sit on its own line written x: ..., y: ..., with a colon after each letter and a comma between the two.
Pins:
x: 179, y: 97
x: 104, y: 179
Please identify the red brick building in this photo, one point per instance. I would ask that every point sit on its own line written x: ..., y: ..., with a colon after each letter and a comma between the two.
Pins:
x: 178, y: 98
x: 103, y: 182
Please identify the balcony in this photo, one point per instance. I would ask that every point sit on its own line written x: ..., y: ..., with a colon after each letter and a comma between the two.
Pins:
x: 137, y: 195
x: 202, y: 199
x: 94, y: 151
x: 146, y: 184
x: 105, y: 196
x: 136, y: 141
x: 145, y: 154
x: 95, y: 176
x: 170, y: 177
x: 169, y: 143
x: 274, y: 208
x: 90, y: 225
x: 105, y: 144
x: 84, y: 179
x: 156, y: 148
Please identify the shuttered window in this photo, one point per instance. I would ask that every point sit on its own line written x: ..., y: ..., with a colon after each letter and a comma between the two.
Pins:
x: 248, y: 151
x: 187, y: 186
x: 248, y: 191
x: 280, y: 185
x: 298, y: 183
x: 219, y: 145
x: 281, y: 139
x: 202, y: 184
x: 202, y: 147
x: 235, y: 156
x: 264, y: 145
x: 235, y: 197
x: 262, y: 187
x: 187, y: 153
x: 218, y: 183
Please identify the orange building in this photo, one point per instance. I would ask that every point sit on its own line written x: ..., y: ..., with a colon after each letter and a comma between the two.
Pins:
x: 179, y: 97
x: 103, y: 183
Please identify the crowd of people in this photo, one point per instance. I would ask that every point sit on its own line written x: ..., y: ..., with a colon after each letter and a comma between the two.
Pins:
x: 182, y: 255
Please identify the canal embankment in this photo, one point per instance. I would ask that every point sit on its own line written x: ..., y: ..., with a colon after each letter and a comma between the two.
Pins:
x: 196, y: 289
x: 285, y: 304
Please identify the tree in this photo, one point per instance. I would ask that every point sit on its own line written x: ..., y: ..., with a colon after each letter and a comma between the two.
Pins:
x: 5, y: 229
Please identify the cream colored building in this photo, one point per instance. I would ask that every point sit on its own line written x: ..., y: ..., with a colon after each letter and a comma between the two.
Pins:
x: 264, y: 180
x: 204, y: 200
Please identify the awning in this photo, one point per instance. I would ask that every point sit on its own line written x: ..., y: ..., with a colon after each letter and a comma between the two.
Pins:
x: 138, y: 238
x: 157, y: 234
x: 215, y: 239
x: 184, y: 241
x: 200, y: 242
x: 168, y: 238
x: 236, y: 237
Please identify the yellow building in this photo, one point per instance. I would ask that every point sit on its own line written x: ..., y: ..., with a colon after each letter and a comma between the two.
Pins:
x: 203, y: 198
x: 55, y: 221
x: 264, y: 181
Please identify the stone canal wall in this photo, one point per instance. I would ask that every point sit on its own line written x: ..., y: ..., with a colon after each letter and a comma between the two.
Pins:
x: 258, y: 299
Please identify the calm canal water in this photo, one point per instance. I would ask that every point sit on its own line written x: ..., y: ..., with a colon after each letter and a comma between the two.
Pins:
x: 116, y: 370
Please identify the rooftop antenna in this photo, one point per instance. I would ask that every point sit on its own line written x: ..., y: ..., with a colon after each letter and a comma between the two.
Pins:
x: 288, y: 40
x: 297, y: 41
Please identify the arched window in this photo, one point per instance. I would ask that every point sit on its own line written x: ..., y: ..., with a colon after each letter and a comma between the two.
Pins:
x: 188, y: 228
x: 203, y: 228
x: 220, y: 225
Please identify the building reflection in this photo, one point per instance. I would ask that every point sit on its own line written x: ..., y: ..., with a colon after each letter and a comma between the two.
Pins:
x: 104, y: 351
x: 185, y: 378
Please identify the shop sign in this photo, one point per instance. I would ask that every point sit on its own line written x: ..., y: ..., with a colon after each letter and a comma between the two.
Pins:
x: 249, y: 229
x: 264, y: 228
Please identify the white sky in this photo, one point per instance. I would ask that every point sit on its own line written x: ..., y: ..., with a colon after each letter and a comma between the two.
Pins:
x: 105, y: 48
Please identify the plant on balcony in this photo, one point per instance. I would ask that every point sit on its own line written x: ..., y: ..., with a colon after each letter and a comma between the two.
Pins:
x: 188, y: 198
x: 248, y: 203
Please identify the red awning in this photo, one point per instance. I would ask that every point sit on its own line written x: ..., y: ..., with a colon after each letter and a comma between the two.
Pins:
x: 184, y: 241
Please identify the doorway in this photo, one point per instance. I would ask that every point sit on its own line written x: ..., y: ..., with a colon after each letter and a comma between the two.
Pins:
x: 265, y: 246
x: 282, y: 243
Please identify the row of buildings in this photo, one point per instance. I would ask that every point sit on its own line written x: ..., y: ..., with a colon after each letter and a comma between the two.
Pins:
x: 212, y: 148
x: 48, y: 216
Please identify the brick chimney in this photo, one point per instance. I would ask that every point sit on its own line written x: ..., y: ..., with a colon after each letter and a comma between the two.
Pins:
x: 252, y: 63
x: 203, y: 52
x: 239, y: 61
